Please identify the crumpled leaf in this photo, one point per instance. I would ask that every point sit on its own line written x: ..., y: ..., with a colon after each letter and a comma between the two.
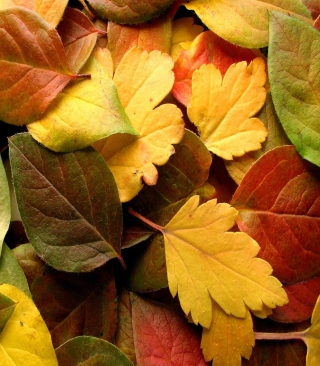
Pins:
x: 84, y: 112
x: 163, y: 337
x: 7, y: 307
x: 49, y: 10
x: 33, y: 64
x: 153, y: 35
x: 68, y: 204
x: 244, y: 22
x: 131, y: 159
x: 205, y: 49
x: 25, y: 339
x: 295, y: 81
x: 228, y: 338
x: 223, y: 109
x: 91, y: 351
x: 78, y: 36
x: 130, y: 11
x: 5, y: 207
x: 205, y: 261
x: 279, y: 206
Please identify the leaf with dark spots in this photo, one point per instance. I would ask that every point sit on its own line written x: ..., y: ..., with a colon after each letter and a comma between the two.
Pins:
x: 69, y: 205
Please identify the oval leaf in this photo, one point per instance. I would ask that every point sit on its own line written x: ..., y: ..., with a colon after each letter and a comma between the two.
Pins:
x: 33, y: 64
x: 5, y: 207
x: 68, y: 204
x: 91, y: 351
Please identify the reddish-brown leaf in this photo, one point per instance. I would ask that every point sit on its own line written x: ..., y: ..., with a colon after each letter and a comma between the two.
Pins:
x: 313, y: 6
x: 162, y: 337
x: 206, y: 48
x: 33, y: 65
x: 302, y: 299
x: 78, y: 35
x: 154, y: 35
x: 279, y: 206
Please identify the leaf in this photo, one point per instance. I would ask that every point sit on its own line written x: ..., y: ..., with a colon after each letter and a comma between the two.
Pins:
x: 279, y: 207
x: 222, y: 109
x: 163, y: 337
x: 205, y: 49
x: 311, y: 337
x: 5, y: 207
x: 68, y: 204
x: 76, y: 304
x: 294, y: 80
x: 49, y: 10
x: 91, y: 351
x: 7, y: 307
x: 204, y: 261
x: 11, y: 272
x: 244, y: 22
x: 78, y: 36
x: 228, y: 338
x: 83, y: 113
x: 130, y: 12
x: 154, y: 35
x: 25, y: 340
x: 131, y: 159
x: 32, y: 60
x: 313, y: 6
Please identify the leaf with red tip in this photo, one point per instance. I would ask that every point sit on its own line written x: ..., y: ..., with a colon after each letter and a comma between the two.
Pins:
x: 163, y: 337
x: 33, y: 66
x: 279, y: 206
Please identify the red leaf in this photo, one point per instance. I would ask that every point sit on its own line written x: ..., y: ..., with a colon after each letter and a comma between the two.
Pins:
x: 162, y: 337
x: 206, y: 48
x: 33, y: 65
x: 279, y: 206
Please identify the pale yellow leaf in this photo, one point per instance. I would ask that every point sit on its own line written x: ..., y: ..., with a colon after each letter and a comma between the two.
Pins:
x: 204, y: 261
x: 84, y: 112
x: 25, y: 339
x: 143, y: 79
x: 312, y: 337
x: 184, y: 31
x: 228, y: 338
x: 222, y: 109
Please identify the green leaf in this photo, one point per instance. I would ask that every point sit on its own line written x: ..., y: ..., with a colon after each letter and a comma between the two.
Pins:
x: 5, y: 211
x: 69, y: 205
x: 11, y: 272
x: 6, y: 309
x: 91, y: 351
x: 244, y: 22
x: 294, y: 73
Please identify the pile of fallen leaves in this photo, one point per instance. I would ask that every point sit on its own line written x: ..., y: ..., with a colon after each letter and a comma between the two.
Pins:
x: 165, y: 162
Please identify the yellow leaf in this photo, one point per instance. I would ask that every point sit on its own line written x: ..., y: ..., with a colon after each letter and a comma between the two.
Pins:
x: 312, y: 337
x: 222, y: 109
x: 84, y: 112
x: 25, y: 339
x: 143, y: 79
x: 228, y: 338
x: 204, y: 261
x: 184, y: 31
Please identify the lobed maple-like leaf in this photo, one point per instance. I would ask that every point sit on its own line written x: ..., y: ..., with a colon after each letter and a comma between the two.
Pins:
x: 33, y: 65
x: 84, y: 112
x: 222, y: 109
x: 25, y: 339
x: 228, y: 338
x: 154, y: 35
x: 5, y: 207
x: 131, y: 159
x: 279, y: 206
x: 244, y: 22
x: 293, y: 65
x: 205, y: 261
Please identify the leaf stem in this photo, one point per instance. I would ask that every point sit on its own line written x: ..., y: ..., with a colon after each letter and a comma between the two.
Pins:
x: 278, y: 336
x: 146, y: 221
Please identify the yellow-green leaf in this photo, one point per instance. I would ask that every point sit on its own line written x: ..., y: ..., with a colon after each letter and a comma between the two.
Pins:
x: 228, y: 338
x: 25, y: 339
x: 244, y: 22
x: 222, y: 109
x: 143, y: 79
x: 84, y: 112
x: 204, y: 261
